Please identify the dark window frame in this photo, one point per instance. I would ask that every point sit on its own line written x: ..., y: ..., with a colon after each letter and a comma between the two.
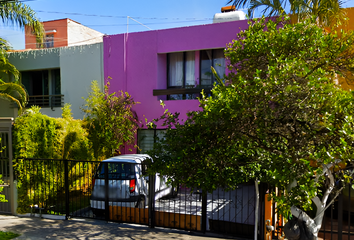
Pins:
x: 213, y: 80
x: 182, y: 96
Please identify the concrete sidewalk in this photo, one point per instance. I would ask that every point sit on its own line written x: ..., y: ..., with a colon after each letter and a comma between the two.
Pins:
x: 37, y: 228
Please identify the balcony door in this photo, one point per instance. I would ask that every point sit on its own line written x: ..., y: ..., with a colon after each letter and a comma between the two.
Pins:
x: 43, y: 87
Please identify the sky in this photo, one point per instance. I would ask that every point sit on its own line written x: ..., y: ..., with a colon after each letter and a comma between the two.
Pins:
x: 111, y: 16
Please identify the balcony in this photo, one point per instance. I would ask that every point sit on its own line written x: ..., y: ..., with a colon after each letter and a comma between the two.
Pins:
x: 172, y: 91
x: 46, y: 101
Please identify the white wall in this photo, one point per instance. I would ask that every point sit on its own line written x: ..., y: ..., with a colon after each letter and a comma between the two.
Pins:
x: 79, y: 66
x: 79, y: 34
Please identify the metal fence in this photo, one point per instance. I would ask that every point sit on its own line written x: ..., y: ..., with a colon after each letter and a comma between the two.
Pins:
x: 6, y: 172
x: 122, y: 193
x: 338, y: 222
x: 59, y: 187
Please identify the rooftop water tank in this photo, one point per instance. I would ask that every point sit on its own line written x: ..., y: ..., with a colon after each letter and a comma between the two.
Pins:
x: 229, y: 14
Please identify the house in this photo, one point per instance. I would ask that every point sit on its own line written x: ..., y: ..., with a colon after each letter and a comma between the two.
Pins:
x: 63, y: 33
x: 56, y: 76
x: 60, y: 71
x: 172, y: 65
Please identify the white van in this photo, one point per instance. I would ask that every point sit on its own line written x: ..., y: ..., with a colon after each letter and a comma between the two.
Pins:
x: 127, y: 185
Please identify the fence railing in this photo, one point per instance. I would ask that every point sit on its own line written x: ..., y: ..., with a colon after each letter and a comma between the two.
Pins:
x: 122, y: 193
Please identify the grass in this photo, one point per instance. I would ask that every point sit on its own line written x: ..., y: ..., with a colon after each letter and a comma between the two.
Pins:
x: 8, y: 235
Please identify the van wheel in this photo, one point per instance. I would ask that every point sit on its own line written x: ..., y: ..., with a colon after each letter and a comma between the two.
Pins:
x: 141, y: 203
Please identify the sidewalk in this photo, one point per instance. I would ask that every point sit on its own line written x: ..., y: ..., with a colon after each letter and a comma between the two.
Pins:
x: 37, y: 229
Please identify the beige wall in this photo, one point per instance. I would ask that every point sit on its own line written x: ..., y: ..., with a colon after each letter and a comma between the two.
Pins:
x: 79, y: 34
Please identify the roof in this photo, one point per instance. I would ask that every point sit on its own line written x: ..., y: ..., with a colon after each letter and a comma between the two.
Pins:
x: 61, y: 20
x: 131, y: 158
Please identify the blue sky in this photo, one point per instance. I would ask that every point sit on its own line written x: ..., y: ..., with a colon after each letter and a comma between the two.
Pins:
x: 110, y: 16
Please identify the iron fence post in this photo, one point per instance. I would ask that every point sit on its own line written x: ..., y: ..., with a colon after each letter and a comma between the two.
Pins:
x: 151, y: 201
x: 106, y: 187
x: 204, y: 210
x: 340, y: 216
x: 66, y: 185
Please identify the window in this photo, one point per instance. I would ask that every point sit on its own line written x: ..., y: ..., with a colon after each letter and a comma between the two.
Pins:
x: 117, y: 171
x: 181, y: 73
x: 183, y: 82
x: 210, y: 58
x: 49, y: 41
x: 43, y: 87
x: 146, y: 138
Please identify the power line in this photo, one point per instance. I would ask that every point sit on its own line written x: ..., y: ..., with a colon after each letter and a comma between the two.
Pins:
x: 124, y: 17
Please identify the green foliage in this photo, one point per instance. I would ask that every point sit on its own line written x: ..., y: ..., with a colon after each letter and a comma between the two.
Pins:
x: 8, y: 235
x: 327, y: 12
x: 10, y: 91
x: 38, y: 136
x: 110, y: 121
x: 2, y: 196
x: 20, y: 14
x: 279, y: 112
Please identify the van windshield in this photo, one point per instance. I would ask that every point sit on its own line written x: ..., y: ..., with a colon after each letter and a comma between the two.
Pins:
x: 117, y: 171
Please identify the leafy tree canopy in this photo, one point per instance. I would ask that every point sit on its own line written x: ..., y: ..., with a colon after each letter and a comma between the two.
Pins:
x: 110, y: 120
x: 327, y: 12
x: 278, y: 116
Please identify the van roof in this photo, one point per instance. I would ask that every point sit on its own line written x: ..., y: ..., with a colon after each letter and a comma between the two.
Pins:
x: 131, y: 158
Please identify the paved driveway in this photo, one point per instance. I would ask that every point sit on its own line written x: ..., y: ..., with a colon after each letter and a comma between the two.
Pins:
x: 36, y: 228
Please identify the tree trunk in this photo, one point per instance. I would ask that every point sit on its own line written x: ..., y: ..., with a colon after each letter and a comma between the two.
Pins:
x: 314, y: 225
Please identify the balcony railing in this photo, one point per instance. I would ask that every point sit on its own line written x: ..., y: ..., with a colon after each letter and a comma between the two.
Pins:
x: 46, y: 101
x: 171, y: 91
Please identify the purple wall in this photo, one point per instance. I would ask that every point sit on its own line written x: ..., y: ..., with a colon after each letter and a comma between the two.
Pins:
x: 136, y: 62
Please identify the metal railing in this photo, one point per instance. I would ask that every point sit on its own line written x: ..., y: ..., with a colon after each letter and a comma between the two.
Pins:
x: 46, y: 101
x: 82, y: 189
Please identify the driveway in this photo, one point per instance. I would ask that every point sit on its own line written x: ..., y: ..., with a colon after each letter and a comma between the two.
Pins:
x: 36, y: 228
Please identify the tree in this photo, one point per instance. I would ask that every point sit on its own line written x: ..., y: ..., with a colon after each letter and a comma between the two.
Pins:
x: 11, y: 91
x: 278, y: 117
x: 15, y: 12
x: 110, y: 120
x: 327, y: 12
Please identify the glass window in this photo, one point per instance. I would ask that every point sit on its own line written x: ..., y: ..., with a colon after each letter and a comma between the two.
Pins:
x: 210, y: 58
x: 146, y: 138
x: 117, y: 171
x: 181, y: 73
x: 41, y: 86
x: 49, y: 41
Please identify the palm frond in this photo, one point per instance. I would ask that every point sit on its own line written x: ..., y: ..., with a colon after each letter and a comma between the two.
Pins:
x: 21, y: 15
x: 328, y: 12
x: 14, y: 91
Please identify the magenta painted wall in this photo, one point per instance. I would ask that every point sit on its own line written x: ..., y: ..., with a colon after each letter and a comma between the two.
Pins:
x: 136, y: 62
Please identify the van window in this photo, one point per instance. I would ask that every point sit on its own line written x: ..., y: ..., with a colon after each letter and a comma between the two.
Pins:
x: 117, y: 171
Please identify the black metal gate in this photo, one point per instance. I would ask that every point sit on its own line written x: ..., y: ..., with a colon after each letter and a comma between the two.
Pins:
x: 65, y: 188
x: 338, y: 221
x: 6, y: 171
